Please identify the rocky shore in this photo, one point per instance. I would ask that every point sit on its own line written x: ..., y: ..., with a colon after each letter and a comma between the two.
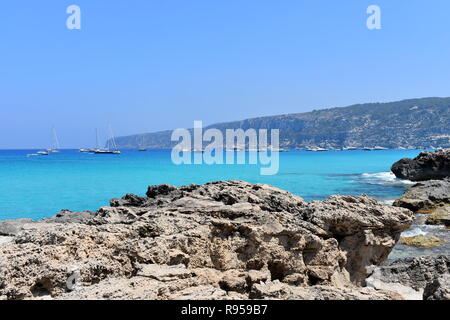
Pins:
x: 429, y: 199
x: 430, y: 196
x: 224, y: 240
x: 221, y: 240
x: 415, y: 278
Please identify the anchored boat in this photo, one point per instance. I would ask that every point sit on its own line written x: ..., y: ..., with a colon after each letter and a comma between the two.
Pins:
x: 111, y: 147
x: 55, y: 148
x: 141, y: 146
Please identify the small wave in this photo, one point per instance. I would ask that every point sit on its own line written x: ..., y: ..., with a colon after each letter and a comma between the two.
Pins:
x: 416, y: 231
x: 384, y: 178
x: 389, y: 202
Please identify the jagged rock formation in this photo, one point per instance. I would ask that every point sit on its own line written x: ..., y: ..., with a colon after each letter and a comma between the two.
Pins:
x: 432, y: 197
x: 426, y: 166
x: 415, y: 123
x: 425, y: 196
x: 439, y: 216
x: 414, y: 278
x: 221, y: 240
x: 439, y: 289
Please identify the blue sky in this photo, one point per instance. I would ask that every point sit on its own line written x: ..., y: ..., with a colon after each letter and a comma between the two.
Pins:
x: 149, y: 65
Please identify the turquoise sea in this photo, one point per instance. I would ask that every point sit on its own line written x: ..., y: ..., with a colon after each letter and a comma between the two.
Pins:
x: 38, y: 187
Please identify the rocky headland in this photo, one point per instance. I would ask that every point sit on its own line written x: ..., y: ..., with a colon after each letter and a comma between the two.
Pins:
x: 414, y: 123
x: 221, y: 240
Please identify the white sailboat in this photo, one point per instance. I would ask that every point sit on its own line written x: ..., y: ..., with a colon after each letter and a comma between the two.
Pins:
x: 86, y: 150
x: 56, y: 147
x: 111, y: 147
x: 141, y: 146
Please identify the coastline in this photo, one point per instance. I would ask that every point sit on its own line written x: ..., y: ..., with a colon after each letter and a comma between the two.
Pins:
x: 225, y: 240
x: 220, y: 235
x: 39, y: 187
x: 222, y: 240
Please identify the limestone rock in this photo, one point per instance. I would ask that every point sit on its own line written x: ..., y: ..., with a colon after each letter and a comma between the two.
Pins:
x: 439, y: 216
x: 12, y: 227
x: 215, y: 241
x: 424, y: 241
x: 409, y: 277
x: 425, y: 196
x: 282, y: 291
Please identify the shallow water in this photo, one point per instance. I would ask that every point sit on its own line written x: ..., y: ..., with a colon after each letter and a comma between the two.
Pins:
x: 38, y: 187
x: 420, y: 228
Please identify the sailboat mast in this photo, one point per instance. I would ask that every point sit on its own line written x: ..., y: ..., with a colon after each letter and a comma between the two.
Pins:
x: 113, y: 141
x: 96, y: 139
x: 55, y: 139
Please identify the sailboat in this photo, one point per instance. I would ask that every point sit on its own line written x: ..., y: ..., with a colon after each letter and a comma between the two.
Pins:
x: 141, y: 147
x: 111, y: 147
x: 85, y: 150
x: 55, y: 148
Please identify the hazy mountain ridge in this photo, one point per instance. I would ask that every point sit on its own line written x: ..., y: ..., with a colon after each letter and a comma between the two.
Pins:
x: 418, y: 123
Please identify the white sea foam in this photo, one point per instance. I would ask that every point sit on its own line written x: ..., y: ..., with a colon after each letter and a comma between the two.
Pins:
x: 384, y: 178
x: 389, y: 202
x: 415, y: 231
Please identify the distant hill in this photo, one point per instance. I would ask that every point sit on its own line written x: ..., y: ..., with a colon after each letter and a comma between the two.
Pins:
x: 414, y: 123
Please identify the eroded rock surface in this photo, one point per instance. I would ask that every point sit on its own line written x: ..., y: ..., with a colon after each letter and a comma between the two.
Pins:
x: 439, y: 216
x: 425, y: 196
x: 439, y: 289
x: 221, y: 240
x: 426, y: 166
x: 409, y: 277
x: 423, y: 241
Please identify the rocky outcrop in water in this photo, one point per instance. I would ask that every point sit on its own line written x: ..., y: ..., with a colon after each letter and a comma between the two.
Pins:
x: 425, y: 196
x: 422, y: 241
x: 426, y: 166
x: 431, y: 197
x: 221, y: 240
